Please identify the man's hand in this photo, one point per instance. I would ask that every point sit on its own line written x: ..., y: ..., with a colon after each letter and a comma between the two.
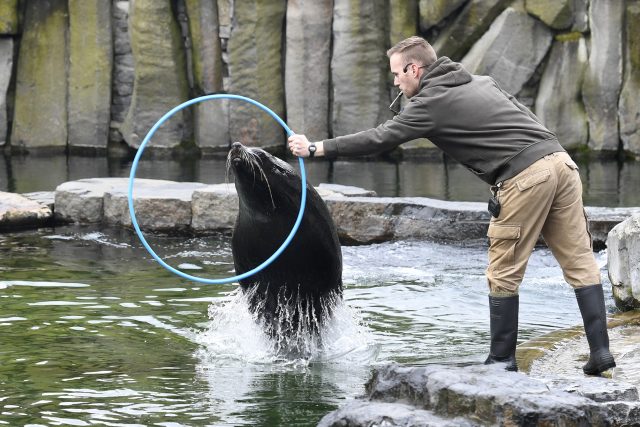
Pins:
x: 299, y: 145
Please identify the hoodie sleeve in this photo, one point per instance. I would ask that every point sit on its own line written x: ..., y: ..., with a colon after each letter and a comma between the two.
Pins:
x: 413, y: 122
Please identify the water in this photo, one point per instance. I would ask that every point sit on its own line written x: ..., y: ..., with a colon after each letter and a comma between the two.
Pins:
x: 606, y: 182
x: 94, y: 331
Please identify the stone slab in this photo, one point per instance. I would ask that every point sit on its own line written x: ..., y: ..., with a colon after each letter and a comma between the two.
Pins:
x: 17, y: 211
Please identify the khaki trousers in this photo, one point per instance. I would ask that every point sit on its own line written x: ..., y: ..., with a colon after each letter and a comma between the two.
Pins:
x: 544, y: 198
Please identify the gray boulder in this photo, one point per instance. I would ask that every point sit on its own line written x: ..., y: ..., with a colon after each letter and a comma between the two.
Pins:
x: 367, y: 414
x: 9, y: 17
x: 560, y: 14
x: 363, y: 220
x: 558, y: 104
x: 480, y: 395
x: 403, y: 20
x: 90, y: 66
x: 511, y: 50
x: 432, y: 12
x: 629, y: 104
x: 474, y: 19
x: 308, y: 47
x: 603, y: 78
x: 82, y: 201
x: 123, y: 75
x: 159, y: 205
x: 359, y: 66
x: 255, y: 70
x: 214, y: 208
x: 160, y: 81
x: 211, y: 121
x: 40, y: 113
x: 20, y: 211
x: 623, y: 262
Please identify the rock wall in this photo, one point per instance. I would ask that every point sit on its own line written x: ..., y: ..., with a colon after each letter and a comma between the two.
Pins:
x: 98, y: 74
x: 623, y: 263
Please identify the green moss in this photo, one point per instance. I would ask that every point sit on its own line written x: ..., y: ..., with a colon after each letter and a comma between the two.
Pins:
x: 569, y: 37
x: 9, y: 17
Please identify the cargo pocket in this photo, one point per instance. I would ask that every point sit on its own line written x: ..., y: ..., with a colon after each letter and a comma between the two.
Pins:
x: 586, y: 224
x: 533, y: 179
x: 502, y: 248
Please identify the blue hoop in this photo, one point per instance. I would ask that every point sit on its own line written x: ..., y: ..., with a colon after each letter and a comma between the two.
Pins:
x: 134, y: 166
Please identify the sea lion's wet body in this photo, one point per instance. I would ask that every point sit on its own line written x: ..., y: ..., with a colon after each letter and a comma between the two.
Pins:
x: 299, y: 288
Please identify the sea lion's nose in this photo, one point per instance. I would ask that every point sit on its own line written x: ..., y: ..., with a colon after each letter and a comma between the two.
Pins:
x: 236, y: 145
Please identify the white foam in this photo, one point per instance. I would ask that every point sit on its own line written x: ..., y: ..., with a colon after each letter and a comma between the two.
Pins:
x: 234, y: 334
x: 6, y: 283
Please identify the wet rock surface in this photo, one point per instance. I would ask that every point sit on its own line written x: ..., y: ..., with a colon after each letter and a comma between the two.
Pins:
x: 481, y: 395
x: 20, y: 211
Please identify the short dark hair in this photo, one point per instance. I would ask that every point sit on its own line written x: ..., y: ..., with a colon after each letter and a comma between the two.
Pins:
x: 414, y: 49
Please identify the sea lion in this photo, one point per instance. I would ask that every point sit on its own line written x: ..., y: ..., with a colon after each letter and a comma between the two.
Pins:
x: 297, y: 291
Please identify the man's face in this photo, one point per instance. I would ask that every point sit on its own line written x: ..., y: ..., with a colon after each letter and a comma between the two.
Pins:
x: 405, y: 75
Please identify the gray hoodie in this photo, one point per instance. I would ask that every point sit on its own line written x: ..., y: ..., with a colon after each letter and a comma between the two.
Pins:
x: 469, y: 117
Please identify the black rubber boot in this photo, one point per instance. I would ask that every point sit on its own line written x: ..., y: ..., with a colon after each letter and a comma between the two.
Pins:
x: 594, y: 317
x: 504, y: 331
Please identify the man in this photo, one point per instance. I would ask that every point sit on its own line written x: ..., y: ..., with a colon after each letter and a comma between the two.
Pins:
x: 536, y: 186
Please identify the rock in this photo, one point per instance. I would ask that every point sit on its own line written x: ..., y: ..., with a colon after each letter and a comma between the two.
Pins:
x: 20, y: 211
x: 160, y: 81
x: 596, y: 389
x: 360, y: 217
x: 629, y: 104
x: 6, y: 70
x: 365, y: 220
x: 211, y: 117
x: 214, y: 208
x: 474, y: 19
x: 308, y: 47
x: 603, y: 77
x: 623, y: 262
x: 46, y: 198
x: 558, y: 103
x: 9, y: 20
x: 90, y: 66
x: 602, y: 220
x: 123, y: 75
x: 345, y: 190
x: 434, y: 11
x: 255, y: 70
x: 359, y: 67
x: 387, y: 414
x: 511, y: 50
x: 470, y: 395
x: 82, y: 201
x: 40, y: 112
x: 403, y: 17
x: 560, y: 14
x: 159, y: 205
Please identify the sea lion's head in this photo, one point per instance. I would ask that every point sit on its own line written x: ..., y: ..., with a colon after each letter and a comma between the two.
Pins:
x: 263, y: 182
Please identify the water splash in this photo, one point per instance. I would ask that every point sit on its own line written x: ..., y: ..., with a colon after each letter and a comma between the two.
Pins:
x: 235, y: 333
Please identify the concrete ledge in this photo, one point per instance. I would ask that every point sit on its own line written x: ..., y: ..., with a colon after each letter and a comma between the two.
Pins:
x: 361, y: 217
